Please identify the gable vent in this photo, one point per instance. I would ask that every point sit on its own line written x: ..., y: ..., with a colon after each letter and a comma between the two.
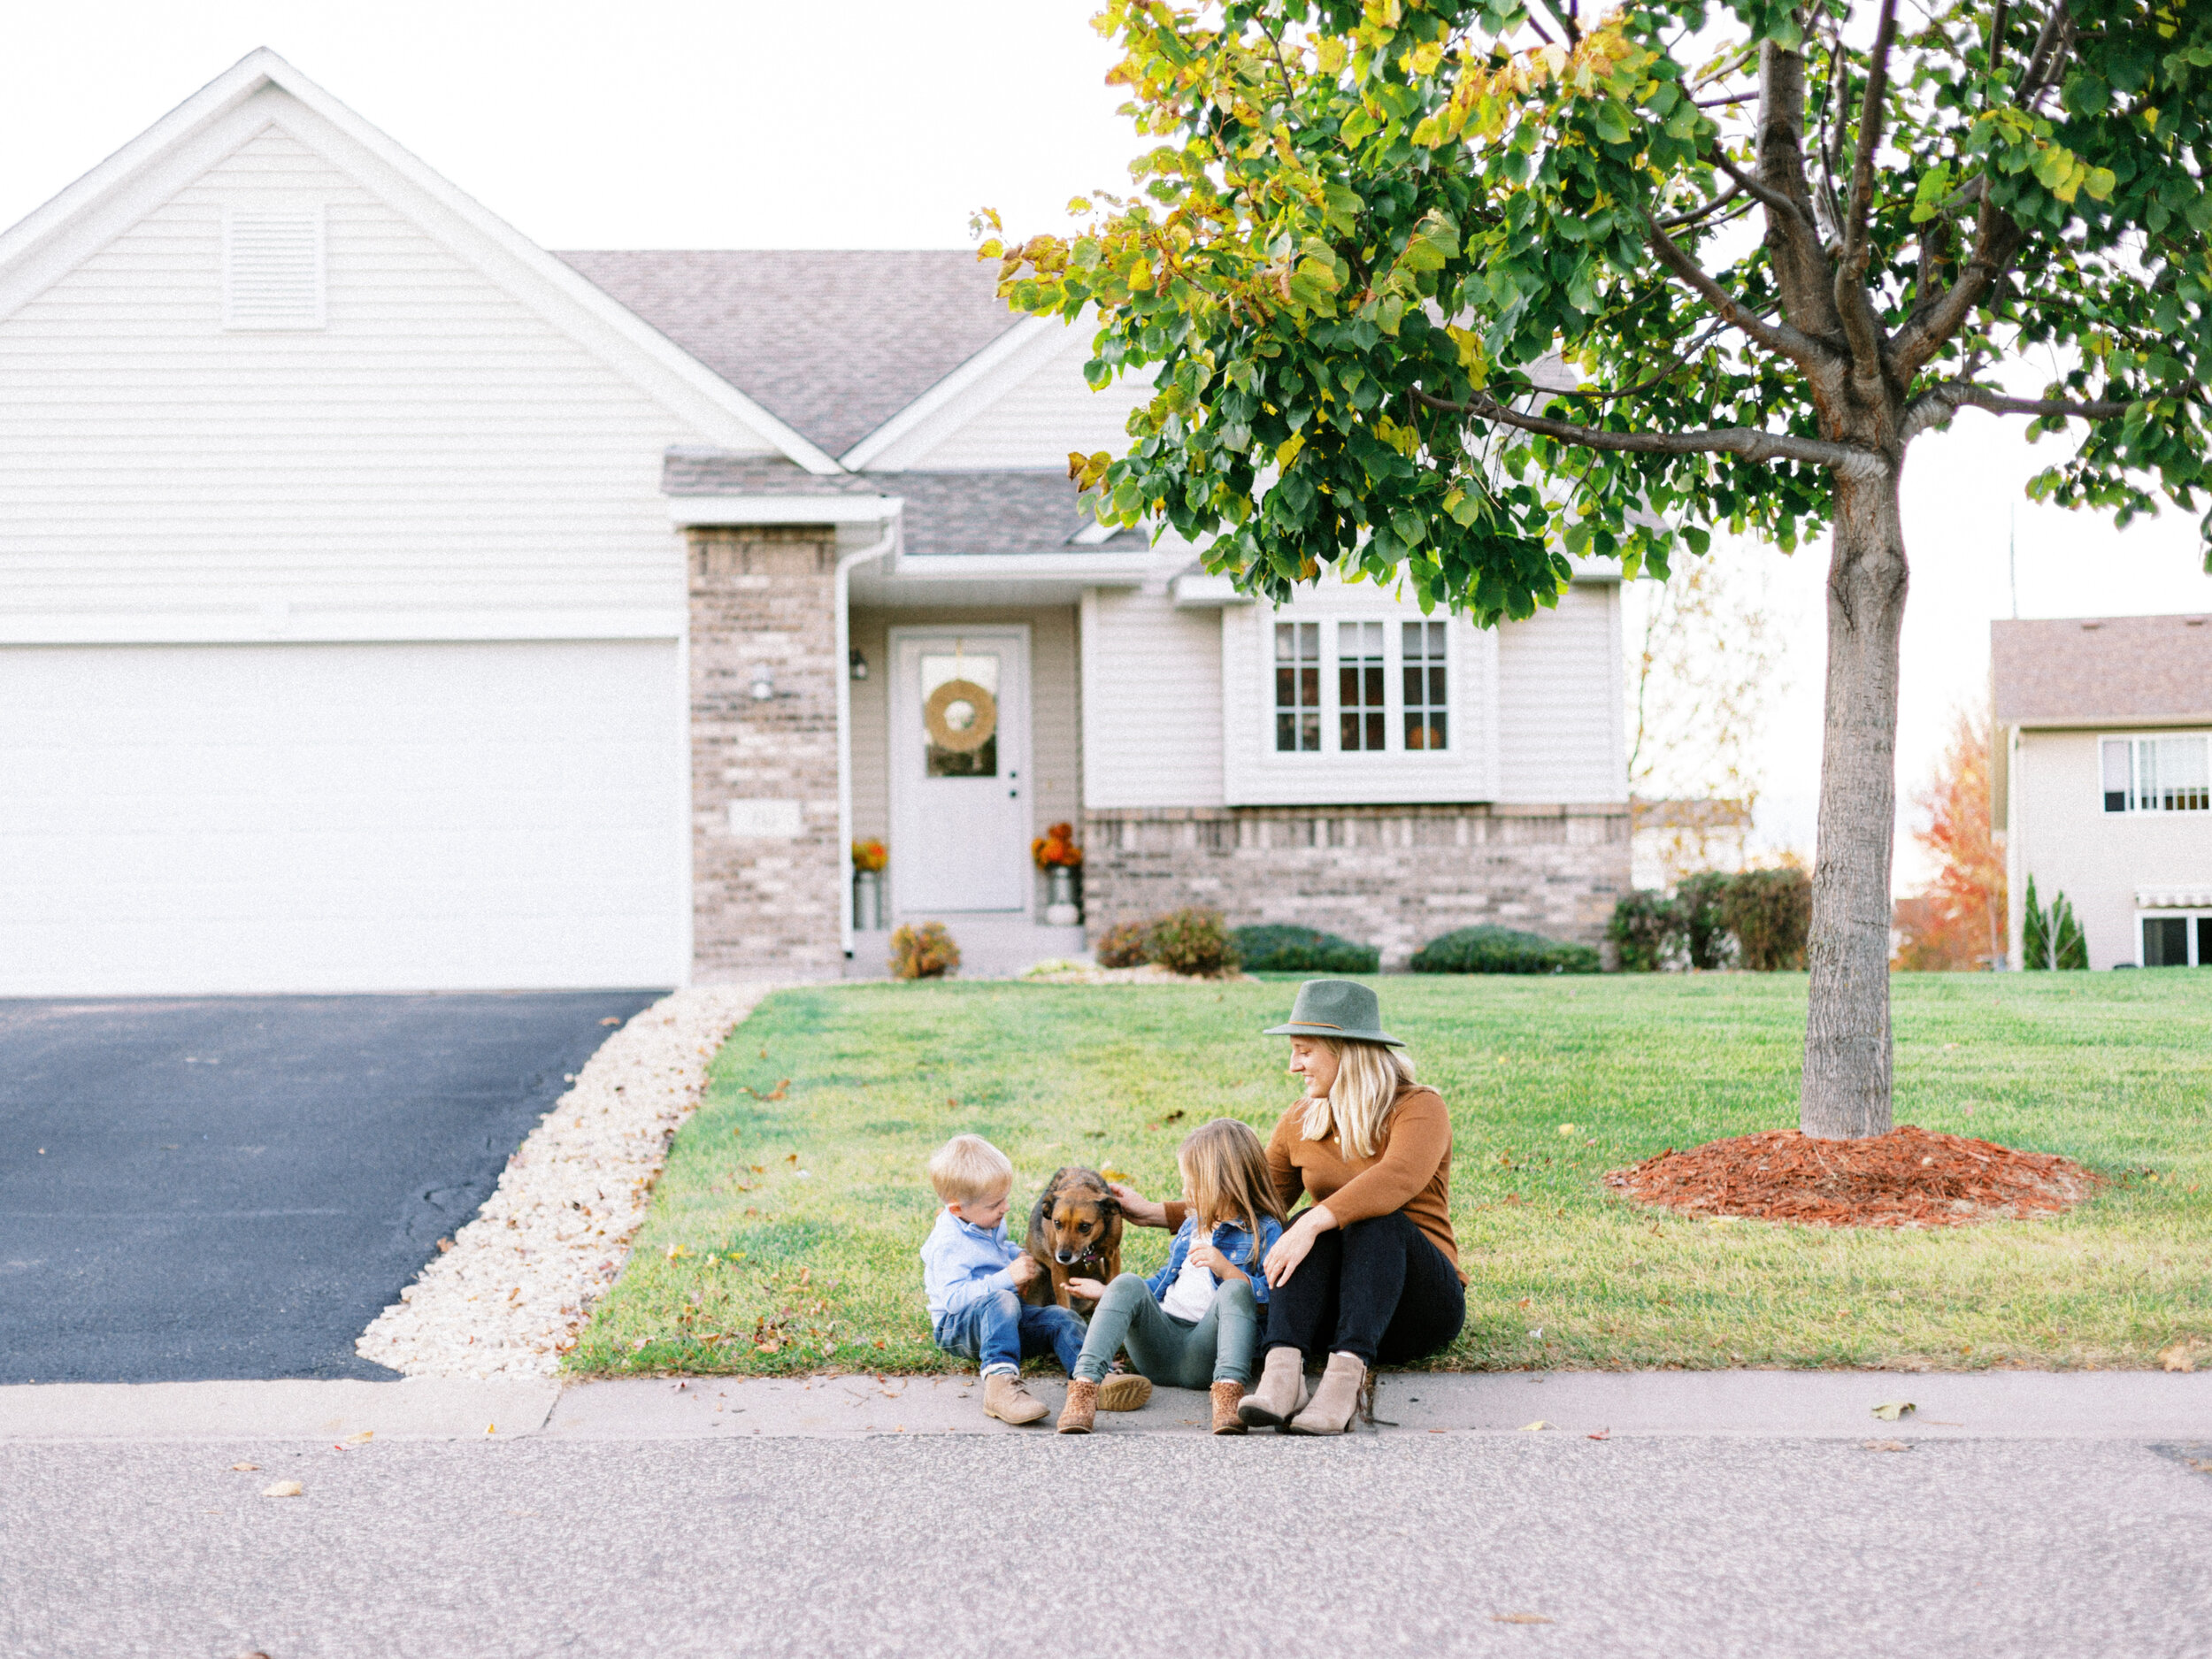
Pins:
x: 273, y: 268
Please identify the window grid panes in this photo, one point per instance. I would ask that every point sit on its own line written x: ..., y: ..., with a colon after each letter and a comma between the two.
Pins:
x: 1359, y: 686
x: 2157, y: 774
x: 1426, y: 722
x: 1297, y: 686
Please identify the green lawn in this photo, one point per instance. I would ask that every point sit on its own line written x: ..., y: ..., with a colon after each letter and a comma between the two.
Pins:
x: 795, y: 1220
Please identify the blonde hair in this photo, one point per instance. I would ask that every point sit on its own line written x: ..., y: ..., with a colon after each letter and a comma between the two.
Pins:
x: 1224, y: 1167
x: 969, y: 1169
x: 1369, y: 1076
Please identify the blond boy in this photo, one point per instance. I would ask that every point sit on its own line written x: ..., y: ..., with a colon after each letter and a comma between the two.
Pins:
x: 974, y: 1275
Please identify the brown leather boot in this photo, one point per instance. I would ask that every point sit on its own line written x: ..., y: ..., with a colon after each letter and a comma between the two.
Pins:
x: 1081, y: 1409
x: 1335, y: 1401
x: 1225, y: 1418
x: 1282, y: 1391
x: 1005, y: 1399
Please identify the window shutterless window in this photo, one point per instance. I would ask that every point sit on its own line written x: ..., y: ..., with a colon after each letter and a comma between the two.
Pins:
x: 1359, y: 686
x: 1426, y: 719
x: 2157, y: 774
x: 2167, y: 939
x: 1297, y: 686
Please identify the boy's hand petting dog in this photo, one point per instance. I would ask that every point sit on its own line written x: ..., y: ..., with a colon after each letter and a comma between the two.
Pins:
x: 1024, y: 1267
x: 1136, y: 1207
x: 1088, y: 1289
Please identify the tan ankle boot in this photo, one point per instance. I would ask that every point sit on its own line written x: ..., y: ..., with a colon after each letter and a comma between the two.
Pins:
x: 1335, y: 1401
x: 1081, y: 1409
x: 1225, y: 1418
x: 1282, y: 1390
x: 1005, y: 1399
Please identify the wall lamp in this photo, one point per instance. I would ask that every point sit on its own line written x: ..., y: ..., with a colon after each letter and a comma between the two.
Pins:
x: 859, y: 665
x: 764, y: 687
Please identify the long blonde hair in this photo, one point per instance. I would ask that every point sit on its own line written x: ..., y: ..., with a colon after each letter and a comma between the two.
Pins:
x: 1224, y: 1167
x: 1369, y: 1076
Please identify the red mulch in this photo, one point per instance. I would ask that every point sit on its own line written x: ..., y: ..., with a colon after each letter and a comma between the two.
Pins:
x: 1905, y: 1179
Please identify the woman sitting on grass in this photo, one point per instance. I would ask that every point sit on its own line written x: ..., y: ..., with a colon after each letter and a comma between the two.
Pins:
x: 1195, y: 1321
x: 1368, y: 1272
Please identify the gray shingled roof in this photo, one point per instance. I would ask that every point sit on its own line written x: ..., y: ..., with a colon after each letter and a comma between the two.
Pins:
x: 833, y: 344
x: 2101, y: 668
x: 944, y: 512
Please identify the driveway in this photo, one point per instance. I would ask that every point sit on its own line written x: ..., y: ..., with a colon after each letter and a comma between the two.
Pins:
x: 235, y: 1186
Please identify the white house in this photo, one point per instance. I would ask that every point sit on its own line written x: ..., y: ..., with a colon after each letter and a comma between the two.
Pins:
x: 2103, y: 779
x: 387, y: 602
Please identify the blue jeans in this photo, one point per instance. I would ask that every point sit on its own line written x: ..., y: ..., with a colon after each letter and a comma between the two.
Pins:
x: 1001, y: 1330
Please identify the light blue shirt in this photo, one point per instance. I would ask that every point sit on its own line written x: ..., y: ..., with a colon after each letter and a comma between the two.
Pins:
x: 962, y: 1264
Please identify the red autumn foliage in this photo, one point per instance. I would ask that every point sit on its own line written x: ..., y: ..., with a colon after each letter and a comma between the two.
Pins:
x: 1907, y: 1177
x: 1957, y: 920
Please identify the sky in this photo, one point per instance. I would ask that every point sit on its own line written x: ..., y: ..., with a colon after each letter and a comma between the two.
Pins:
x: 737, y: 124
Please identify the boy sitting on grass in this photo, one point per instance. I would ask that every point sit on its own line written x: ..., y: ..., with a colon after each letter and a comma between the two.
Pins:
x: 974, y: 1274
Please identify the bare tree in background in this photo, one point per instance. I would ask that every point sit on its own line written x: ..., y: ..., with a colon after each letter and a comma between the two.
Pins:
x: 1957, y: 919
x: 1705, y: 675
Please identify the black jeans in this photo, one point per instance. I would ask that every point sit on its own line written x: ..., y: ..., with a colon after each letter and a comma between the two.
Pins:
x: 1377, y: 1288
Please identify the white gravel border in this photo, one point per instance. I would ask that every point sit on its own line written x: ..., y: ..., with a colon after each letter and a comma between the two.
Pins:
x: 509, y: 1298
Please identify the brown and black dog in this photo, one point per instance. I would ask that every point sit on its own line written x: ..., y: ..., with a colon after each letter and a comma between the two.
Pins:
x: 1074, y: 1232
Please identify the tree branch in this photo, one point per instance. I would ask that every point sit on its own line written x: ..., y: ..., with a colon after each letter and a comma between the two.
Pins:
x: 1996, y: 239
x: 1747, y: 442
x: 1935, y: 407
x: 1566, y: 20
x: 2048, y: 56
x: 1778, y: 338
x: 1861, y: 326
x: 1802, y: 269
x: 1678, y: 220
x: 1774, y: 201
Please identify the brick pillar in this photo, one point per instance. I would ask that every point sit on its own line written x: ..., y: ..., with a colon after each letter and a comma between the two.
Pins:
x: 767, y: 870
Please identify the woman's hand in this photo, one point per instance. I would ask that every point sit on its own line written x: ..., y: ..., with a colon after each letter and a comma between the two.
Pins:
x: 1136, y: 1207
x: 1089, y: 1289
x: 1291, y: 1249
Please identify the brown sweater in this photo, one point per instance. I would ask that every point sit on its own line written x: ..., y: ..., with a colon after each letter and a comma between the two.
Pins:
x: 1411, y: 1169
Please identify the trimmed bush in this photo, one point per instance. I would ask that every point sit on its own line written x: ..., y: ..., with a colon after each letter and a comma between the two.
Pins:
x: 1123, y: 945
x: 1770, y: 913
x: 1700, y: 920
x: 1192, y: 941
x: 927, y: 952
x: 1279, y: 948
x: 1501, y: 950
x: 1643, y: 930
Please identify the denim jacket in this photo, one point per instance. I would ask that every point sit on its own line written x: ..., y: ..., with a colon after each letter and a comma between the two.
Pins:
x: 1233, y: 1241
x: 962, y: 1264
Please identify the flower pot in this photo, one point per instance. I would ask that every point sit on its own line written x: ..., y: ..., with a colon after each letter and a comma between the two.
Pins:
x: 868, y: 901
x: 1061, y: 909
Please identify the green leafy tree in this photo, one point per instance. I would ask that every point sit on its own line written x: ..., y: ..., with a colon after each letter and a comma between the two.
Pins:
x: 1444, y: 292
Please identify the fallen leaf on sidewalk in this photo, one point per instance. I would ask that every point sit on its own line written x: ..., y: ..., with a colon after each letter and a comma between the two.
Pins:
x: 2182, y: 1355
x: 611, y: 1020
x: 1889, y: 1411
x: 1886, y: 1446
x: 444, y: 1244
x: 1530, y: 1428
x: 283, y: 1489
x: 1520, y: 1618
x: 362, y: 1439
x: 245, y: 1468
x: 1602, y: 1434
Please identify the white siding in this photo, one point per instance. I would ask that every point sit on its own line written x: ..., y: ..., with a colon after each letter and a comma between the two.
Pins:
x: 1151, y: 702
x: 1029, y: 414
x: 439, y: 461
x: 1560, y: 719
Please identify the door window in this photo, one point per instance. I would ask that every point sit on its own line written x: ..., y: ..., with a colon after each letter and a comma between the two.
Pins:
x: 960, y: 714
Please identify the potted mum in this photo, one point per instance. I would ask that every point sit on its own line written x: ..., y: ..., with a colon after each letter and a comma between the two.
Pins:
x: 1059, y: 857
x: 869, y: 858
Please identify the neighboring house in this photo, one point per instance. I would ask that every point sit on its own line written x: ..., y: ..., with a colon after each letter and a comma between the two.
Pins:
x: 387, y: 602
x: 2103, y: 779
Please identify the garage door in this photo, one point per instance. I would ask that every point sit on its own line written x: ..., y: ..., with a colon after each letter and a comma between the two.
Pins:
x: 341, y: 818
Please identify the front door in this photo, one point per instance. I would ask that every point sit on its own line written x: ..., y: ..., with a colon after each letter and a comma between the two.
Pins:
x: 959, y: 753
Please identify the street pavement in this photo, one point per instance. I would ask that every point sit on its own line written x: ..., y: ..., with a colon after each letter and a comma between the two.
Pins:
x: 235, y: 1186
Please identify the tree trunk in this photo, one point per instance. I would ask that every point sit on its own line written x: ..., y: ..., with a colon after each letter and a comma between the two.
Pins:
x: 1847, y: 1081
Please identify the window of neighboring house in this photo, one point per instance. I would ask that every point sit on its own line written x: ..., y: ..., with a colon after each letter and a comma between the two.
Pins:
x: 1427, y: 719
x: 1361, y: 717
x: 1297, y: 686
x: 2167, y: 941
x: 2157, y: 774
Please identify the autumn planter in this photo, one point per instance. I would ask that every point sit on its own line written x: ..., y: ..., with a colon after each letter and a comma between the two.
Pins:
x: 869, y: 858
x: 1059, y: 857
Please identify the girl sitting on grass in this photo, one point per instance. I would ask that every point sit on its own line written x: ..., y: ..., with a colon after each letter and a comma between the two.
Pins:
x: 1196, y: 1320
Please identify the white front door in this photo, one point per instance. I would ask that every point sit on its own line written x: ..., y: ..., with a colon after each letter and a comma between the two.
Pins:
x: 959, y: 755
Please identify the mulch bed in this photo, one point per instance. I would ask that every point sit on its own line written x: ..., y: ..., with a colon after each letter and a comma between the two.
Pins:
x: 1905, y: 1179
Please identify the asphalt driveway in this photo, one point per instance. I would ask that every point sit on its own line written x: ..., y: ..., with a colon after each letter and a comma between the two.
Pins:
x: 235, y: 1186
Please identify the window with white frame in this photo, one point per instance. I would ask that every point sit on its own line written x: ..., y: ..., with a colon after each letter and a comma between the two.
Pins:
x: 1427, y: 709
x: 1297, y: 686
x: 1362, y: 715
x: 2177, y: 941
x: 2157, y: 774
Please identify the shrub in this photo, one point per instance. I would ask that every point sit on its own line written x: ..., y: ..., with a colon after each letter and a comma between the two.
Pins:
x: 2051, y: 938
x: 927, y: 952
x: 1192, y: 941
x: 1123, y: 945
x: 1769, y: 912
x: 1275, y: 947
x: 1501, y: 950
x: 1643, y: 930
x: 1701, y: 923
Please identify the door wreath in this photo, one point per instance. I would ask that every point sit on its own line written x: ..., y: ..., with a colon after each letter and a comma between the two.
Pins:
x: 960, y: 716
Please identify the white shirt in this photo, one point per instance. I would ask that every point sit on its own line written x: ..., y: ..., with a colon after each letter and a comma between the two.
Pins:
x: 1191, y: 1293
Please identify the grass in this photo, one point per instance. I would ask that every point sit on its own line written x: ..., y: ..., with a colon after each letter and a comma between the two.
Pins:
x: 782, y: 1236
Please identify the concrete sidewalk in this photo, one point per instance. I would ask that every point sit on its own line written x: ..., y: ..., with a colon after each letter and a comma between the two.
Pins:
x: 1795, y: 1405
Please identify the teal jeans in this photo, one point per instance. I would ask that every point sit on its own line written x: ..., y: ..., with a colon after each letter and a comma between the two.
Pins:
x: 1217, y: 1348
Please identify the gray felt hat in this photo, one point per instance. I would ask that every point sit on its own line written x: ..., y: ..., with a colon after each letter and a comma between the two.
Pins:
x: 1335, y: 1008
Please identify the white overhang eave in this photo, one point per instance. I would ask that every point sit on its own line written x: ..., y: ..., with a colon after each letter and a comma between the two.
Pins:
x: 697, y: 512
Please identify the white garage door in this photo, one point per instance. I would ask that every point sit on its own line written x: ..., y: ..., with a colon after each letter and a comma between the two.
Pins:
x: 341, y: 818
